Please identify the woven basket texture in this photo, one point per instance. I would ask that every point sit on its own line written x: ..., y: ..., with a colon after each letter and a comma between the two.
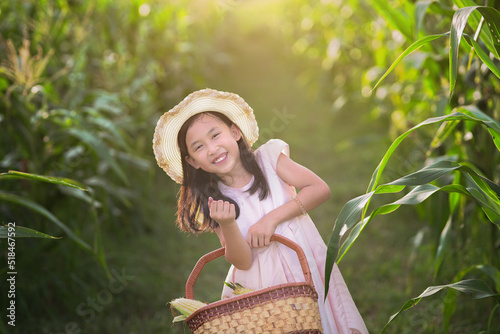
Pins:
x: 288, y: 308
x: 284, y: 308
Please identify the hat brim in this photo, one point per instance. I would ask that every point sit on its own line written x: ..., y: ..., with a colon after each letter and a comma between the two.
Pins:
x: 165, y: 145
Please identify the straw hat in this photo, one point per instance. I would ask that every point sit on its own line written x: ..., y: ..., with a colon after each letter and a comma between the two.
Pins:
x: 165, y: 146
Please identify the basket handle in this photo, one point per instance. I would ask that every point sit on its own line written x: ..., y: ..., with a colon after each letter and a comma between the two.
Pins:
x: 221, y: 251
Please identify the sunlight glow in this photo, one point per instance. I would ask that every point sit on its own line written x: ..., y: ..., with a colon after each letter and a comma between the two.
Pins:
x: 366, y: 91
x: 36, y: 89
x: 144, y: 10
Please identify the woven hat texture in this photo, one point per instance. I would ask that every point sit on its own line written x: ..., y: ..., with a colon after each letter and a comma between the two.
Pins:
x: 165, y: 146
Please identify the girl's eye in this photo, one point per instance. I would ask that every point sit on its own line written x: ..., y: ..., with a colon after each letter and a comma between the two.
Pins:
x: 216, y: 135
x: 198, y: 147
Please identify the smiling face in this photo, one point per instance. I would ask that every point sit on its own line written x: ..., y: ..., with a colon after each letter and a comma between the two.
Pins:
x: 212, y: 146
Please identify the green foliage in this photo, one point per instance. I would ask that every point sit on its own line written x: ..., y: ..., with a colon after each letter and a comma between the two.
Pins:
x: 49, y: 179
x: 477, y: 288
x: 44, y: 212
x: 353, y: 215
x: 23, y: 232
x: 82, y: 84
x: 459, y: 161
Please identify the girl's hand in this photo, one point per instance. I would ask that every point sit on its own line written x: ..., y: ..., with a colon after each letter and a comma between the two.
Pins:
x: 259, y: 234
x: 238, y: 251
x: 221, y: 211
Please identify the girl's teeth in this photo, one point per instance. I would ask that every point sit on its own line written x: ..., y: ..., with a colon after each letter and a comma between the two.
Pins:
x: 219, y: 159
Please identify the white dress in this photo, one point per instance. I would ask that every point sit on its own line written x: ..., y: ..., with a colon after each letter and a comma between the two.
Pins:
x: 278, y: 264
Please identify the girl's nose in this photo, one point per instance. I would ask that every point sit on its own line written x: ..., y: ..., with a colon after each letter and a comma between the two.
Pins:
x: 212, y: 149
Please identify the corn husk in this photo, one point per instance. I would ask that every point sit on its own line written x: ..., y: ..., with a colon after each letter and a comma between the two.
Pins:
x: 185, y: 307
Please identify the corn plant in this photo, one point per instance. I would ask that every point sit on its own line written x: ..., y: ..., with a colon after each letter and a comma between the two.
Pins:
x: 468, y: 182
x: 81, y: 87
x: 26, y: 202
x: 461, y: 161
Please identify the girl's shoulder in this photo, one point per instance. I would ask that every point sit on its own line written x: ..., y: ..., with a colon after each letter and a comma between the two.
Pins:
x: 270, y: 152
x: 273, y: 147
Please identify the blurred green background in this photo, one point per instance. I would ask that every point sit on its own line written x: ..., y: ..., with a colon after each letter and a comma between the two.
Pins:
x: 83, y: 83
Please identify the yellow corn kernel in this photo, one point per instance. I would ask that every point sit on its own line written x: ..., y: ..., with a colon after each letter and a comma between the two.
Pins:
x: 241, y: 290
x: 238, y: 288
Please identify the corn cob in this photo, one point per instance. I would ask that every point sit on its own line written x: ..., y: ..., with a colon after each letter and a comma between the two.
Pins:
x: 238, y: 288
x: 186, y: 307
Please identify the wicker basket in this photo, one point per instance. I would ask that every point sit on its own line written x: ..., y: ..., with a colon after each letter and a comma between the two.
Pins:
x: 284, y: 308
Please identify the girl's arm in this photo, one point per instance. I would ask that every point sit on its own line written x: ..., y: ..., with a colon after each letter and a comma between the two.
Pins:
x: 238, y: 251
x: 313, y: 191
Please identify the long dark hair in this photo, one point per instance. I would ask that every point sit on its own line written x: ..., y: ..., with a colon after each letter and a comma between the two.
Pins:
x: 197, y: 185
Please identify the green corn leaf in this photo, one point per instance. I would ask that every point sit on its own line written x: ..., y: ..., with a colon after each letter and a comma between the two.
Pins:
x: 443, y: 246
x: 460, y: 19
x: 433, y: 6
x: 100, y: 148
x: 477, y: 289
x: 489, y: 206
x: 492, y: 272
x: 444, y: 131
x: 419, y: 194
x: 122, y: 194
x: 492, y: 17
x: 137, y: 162
x: 455, y: 198
x: 380, y: 168
x: 356, y: 230
x: 492, y: 125
x: 428, y: 173
x: 483, y: 56
x: 107, y: 102
x: 85, y: 197
x: 352, y: 215
x: 468, y: 3
x: 489, y: 197
x: 494, y: 187
x: 464, y: 113
x: 24, y: 232
x: 110, y: 128
x: 230, y: 285
x: 8, y: 197
x: 180, y: 318
x: 348, y: 217
x: 420, y: 10
x: 44, y: 178
x: 441, y: 8
x: 399, y: 20
x: 353, y: 211
x: 416, y: 196
x: 449, y: 304
x: 457, y: 27
x: 482, y: 191
x: 413, y: 47
x: 474, y: 21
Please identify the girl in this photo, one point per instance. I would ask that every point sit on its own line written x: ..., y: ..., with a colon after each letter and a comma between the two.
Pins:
x: 243, y: 196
